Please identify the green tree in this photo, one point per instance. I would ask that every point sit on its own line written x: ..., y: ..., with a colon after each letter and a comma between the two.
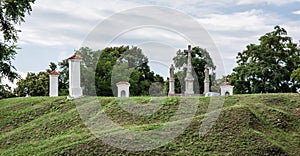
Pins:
x: 12, y: 12
x: 5, y: 91
x: 124, y: 64
x: 33, y: 85
x: 52, y: 66
x: 200, y: 57
x: 63, y: 79
x: 296, y: 74
x: 88, y: 68
x: 104, y: 68
x: 267, y: 67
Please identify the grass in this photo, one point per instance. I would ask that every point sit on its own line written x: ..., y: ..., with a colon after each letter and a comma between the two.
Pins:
x: 263, y: 124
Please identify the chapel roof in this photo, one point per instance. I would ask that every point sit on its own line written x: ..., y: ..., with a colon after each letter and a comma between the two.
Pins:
x: 226, y: 84
x: 54, y: 73
x: 123, y: 82
x: 75, y: 56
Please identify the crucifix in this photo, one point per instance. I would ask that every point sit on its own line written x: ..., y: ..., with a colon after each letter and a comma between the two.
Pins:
x: 189, y: 79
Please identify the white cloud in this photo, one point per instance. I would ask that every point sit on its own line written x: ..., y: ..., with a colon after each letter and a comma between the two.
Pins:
x: 275, y: 2
x: 297, y: 12
x: 66, y: 23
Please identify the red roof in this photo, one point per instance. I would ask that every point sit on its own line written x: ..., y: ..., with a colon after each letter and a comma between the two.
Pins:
x: 75, y: 56
x: 54, y: 73
x: 123, y: 82
x: 225, y: 84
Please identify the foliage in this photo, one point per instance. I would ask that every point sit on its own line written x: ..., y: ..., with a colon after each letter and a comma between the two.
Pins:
x: 114, y: 64
x: 200, y: 57
x: 296, y: 74
x: 267, y: 67
x: 63, y: 79
x: 52, y: 66
x: 12, y: 12
x: 33, y: 85
x: 6, y: 91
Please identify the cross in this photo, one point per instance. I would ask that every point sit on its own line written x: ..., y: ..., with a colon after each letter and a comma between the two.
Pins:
x: 189, y: 64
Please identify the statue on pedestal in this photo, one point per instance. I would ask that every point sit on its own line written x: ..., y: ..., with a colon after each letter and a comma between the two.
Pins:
x: 171, y: 81
x: 206, y: 79
x: 189, y: 79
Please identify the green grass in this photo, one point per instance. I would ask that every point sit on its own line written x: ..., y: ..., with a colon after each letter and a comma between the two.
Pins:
x: 263, y: 124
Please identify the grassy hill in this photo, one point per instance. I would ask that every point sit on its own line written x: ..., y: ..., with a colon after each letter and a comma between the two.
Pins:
x: 267, y: 124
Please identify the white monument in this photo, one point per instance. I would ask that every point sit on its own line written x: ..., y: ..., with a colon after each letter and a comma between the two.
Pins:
x: 75, y: 89
x: 171, y: 81
x: 53, y: 88
x: 189, y: 79
x: 226, y: 89
x: 206, y: 79
x: 123, y: 89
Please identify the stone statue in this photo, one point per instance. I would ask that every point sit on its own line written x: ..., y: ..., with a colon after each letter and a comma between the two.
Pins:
x: 206, y: 79
x: 172, y: 69
x: 206, y: 72
x: 171, y: 81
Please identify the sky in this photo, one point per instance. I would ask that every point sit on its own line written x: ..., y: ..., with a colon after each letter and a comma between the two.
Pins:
x: 54, y: 30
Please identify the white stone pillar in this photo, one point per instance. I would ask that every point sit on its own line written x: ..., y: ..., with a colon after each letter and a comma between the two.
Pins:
x: 123, y: 89
x: 75, y: 89
x: 53, y: 85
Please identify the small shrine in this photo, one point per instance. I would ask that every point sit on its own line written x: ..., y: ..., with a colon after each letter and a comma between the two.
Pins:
x: 226, y: 89
x: 123, y: 89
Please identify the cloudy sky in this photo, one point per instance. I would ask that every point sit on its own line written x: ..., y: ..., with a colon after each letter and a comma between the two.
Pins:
x: 55, y: 29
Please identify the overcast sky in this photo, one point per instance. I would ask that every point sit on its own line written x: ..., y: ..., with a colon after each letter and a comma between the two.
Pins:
x: 55, y: 29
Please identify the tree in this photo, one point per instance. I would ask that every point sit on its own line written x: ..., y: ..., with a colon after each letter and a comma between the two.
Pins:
x: 12, y: 12
x: 124, y: 64
x: 52, y: 66
x: 5, y: 91
x: 35, y: 84
x: 63, y: 79
x: 104, y: 68
x: 296, y: 74
x: 267, y: 67
x: 200, y: 57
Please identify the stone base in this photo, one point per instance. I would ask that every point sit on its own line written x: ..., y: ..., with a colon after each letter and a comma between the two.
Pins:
x: 171, y: 94
x: 189, y: 93
x: 75, y: 92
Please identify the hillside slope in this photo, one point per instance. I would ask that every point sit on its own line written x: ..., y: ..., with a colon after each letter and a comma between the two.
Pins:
x: 248, y: 125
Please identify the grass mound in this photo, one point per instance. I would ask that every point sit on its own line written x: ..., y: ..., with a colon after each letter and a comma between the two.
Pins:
x: 267, y: 124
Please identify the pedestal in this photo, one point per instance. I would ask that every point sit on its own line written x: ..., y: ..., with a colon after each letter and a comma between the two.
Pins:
x: 206, y: 87
x: 189, y: 86
x: 171, y: 87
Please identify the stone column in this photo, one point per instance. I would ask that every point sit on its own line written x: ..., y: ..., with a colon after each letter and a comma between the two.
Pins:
x: 75, y: 89
x: 53, y: 88
x: 171, y: 81
x: 189, y: 79
x: 206, y: 79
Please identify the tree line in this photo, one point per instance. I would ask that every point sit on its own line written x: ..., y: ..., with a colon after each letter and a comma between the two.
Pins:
x: 102, y: 69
